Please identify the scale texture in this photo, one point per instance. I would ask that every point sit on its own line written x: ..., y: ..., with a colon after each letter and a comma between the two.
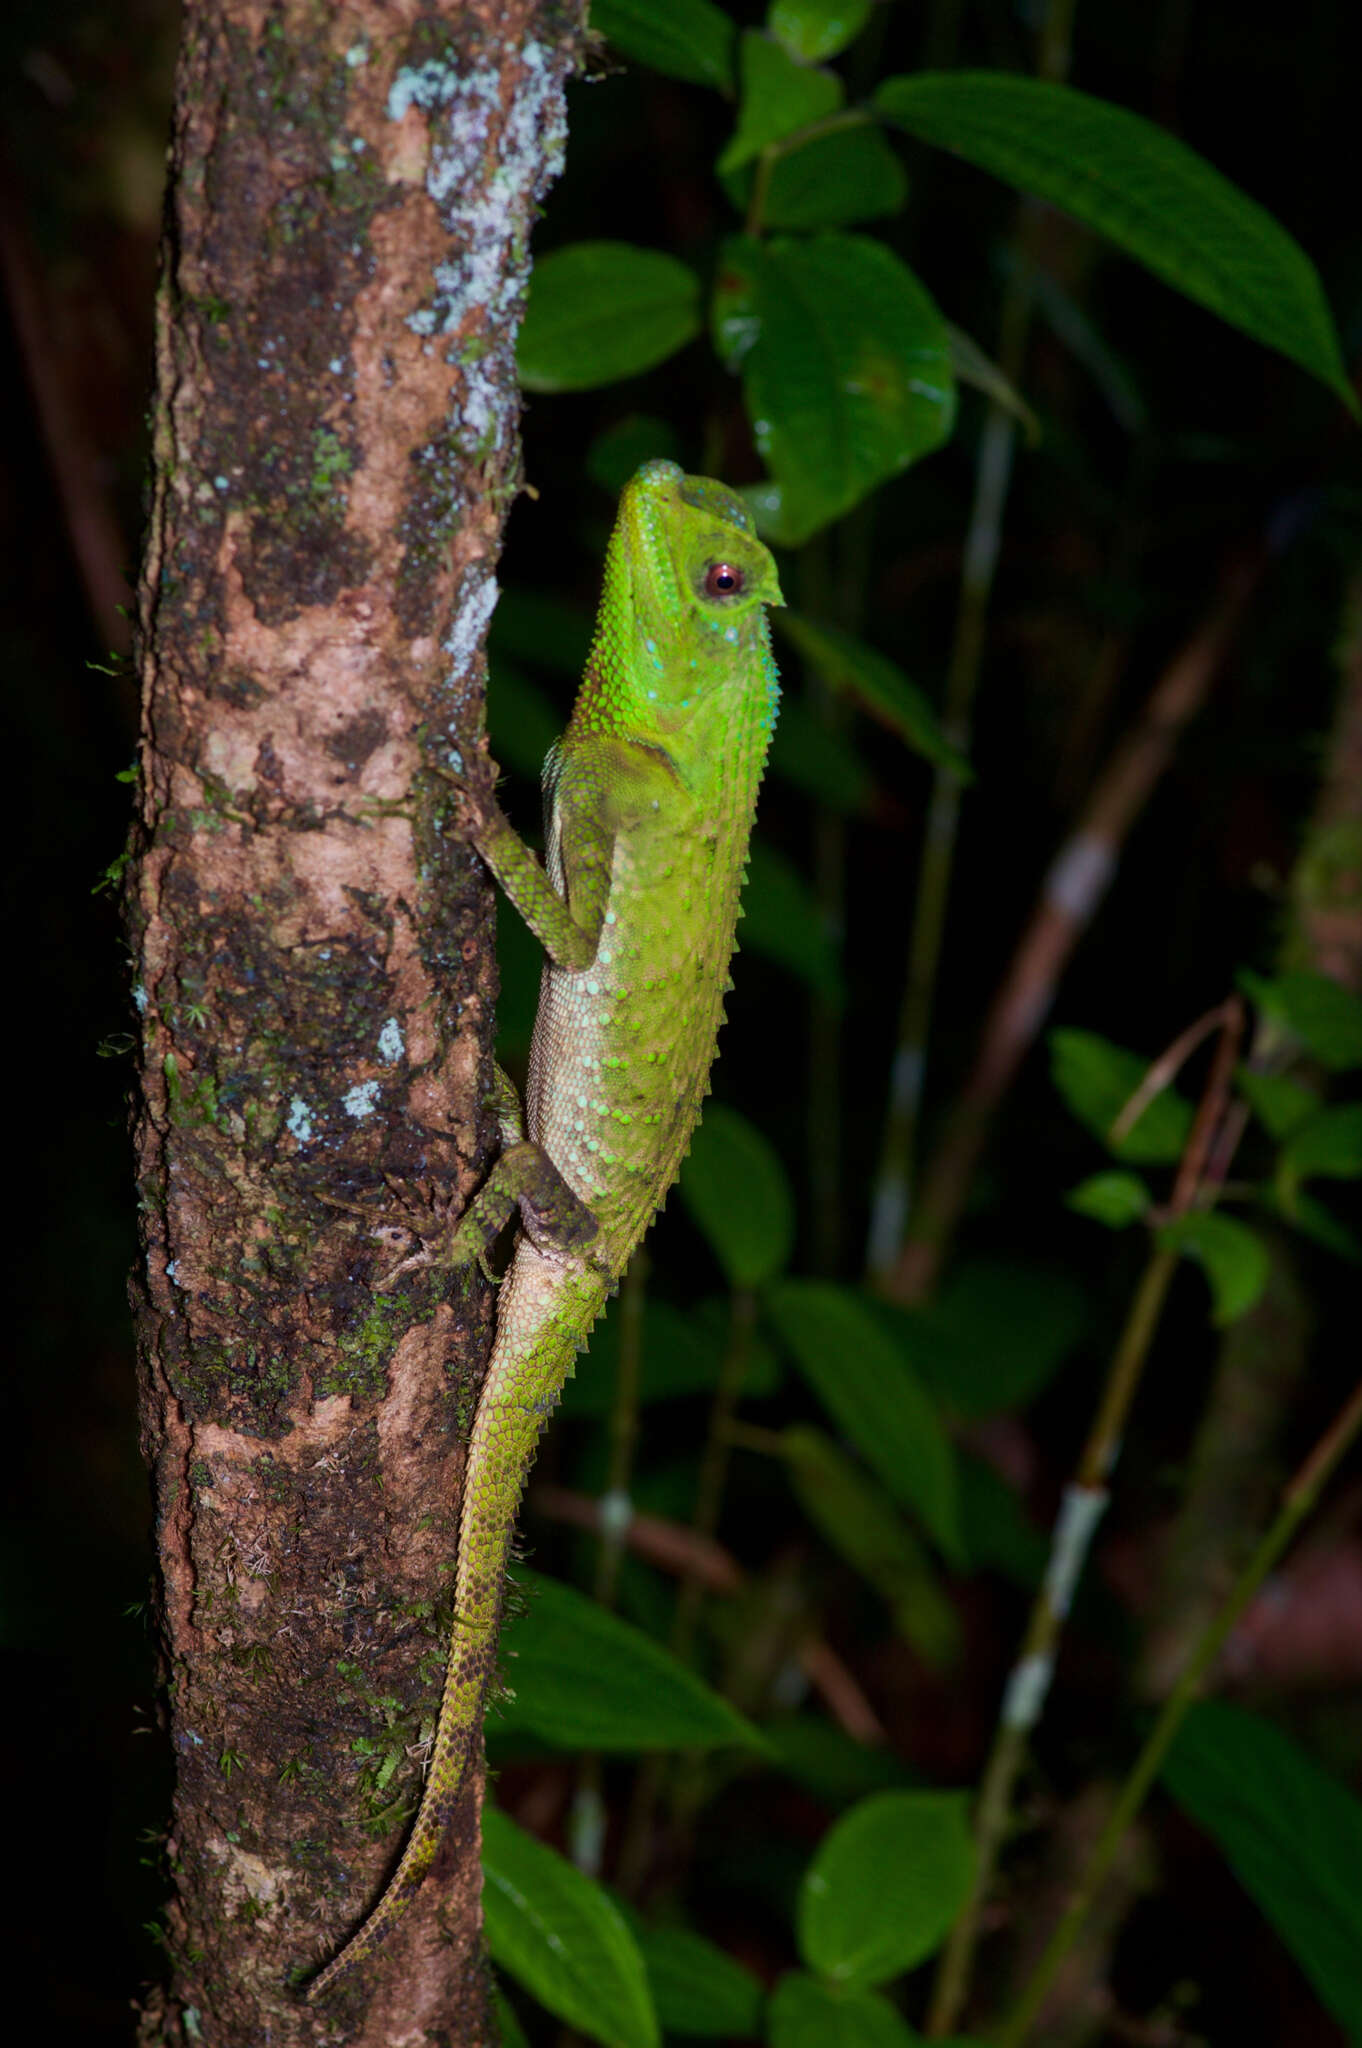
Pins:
x: 649, y: 802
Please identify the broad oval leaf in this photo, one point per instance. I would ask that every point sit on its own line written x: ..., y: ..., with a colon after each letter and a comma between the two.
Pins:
x: 885, y: 1886
x: 846, y: 174
x: 1142, y: 188
x: 1097, y: 1079
x: 863, y: 1526
x: 863, y: 1380
x: 780, y: 920
x: 690, y: 39
x: 737, y: 1191
x: 880, y: 685
x: 1320, y: 1012
x: 581, y: 1678
x: 846, y: 370
x: 563, y: 1938
x: 1115, y: 1199
x: 1291, y: 1834
x: 699, y: 1989
x: 814, y: 30
x: 805, y: 2013
x: 599, y: 311
x: 1236, y: 1261
x: 779, y: 96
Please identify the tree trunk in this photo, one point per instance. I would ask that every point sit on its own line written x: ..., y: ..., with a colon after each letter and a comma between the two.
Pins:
x: 351, y: 194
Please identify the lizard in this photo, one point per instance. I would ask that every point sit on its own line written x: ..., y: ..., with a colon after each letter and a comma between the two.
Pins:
x: 649, y: 800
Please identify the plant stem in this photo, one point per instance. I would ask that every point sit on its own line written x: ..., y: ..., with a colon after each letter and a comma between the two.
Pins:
x: 892, y: 1197
x: 1085, y: 1500
x: 1297, y: 1501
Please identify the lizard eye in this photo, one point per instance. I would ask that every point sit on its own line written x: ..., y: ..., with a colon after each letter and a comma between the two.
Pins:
x: 723, y: 580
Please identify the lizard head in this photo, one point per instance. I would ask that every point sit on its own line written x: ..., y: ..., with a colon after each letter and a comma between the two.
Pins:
x: 683, y: 611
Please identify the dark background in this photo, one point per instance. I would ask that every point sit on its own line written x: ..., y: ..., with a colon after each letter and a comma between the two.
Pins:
x: 1116, y: 534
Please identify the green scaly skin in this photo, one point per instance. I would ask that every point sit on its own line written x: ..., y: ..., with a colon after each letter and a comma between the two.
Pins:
x: 649, y: 799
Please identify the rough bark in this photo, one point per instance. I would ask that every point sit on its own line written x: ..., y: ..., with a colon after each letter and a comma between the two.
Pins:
x: 351, y: 194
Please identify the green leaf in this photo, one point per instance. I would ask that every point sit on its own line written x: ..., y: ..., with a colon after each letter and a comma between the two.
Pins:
x: 737, y: 1191
x: 1320, y: 1012
x: 885, y: 1886
x: 688, y: 39
x: 1142, y: 188
x: 681, y: 1356
x: 1236, y: 1261
x: 780, y: 920
x: 1280, y: 1104
x: 864, y: 1527
x: 833, y: 1766
x: 876, y: 682
x: 1330, y: 1146
x: 819, y: 759
x: 778, y: 97
x: 814, y: 30
x: 583, y: 1679
x: 846, y: 174
x: 1097, y: 1079
x: 1291, y: 1834
x: 599, y: 311
x: 865, y: 1383
x: 1115, y: 1199
x: 615, y: 455
x: 997, y: 1332
x: 563, y: 1938
x: 845, y: 365
x: 522, y: 722
x: 698, y: 1988
x: 804, y: 2013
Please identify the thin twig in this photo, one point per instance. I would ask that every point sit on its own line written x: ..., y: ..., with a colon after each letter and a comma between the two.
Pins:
x: 1084, y: 1502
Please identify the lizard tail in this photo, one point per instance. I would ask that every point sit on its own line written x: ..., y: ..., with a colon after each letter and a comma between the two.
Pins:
x: 531, y: 1358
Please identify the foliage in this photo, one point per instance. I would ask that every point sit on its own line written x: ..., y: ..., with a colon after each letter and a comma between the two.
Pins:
x: 847, y: 376
x: 779, y: 254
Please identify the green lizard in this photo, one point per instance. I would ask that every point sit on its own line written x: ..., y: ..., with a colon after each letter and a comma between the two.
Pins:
x: 649, y: 799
